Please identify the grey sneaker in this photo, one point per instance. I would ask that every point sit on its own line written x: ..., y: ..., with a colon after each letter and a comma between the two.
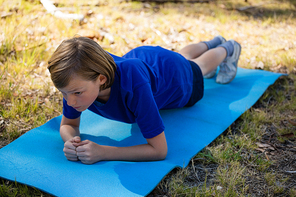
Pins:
x: 212, y: 74
x: 228, y: 67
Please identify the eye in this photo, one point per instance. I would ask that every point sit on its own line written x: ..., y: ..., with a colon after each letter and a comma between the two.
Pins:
x: 78, y: 93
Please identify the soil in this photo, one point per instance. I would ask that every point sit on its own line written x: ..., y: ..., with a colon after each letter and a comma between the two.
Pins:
x: 3, y: 142
x: 280, y: 150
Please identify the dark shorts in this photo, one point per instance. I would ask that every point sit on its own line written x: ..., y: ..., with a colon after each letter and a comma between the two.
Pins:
x: 198, y: 85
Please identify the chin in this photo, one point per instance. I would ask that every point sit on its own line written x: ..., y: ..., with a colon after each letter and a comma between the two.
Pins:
x: 80, y: 110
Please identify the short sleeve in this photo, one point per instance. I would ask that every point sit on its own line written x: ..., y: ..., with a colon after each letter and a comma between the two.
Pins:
x: 69, y: 112
x: 144, y: 107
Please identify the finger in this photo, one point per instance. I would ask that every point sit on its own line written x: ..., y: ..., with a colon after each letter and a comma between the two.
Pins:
x: 85, y: 160
x: 81, y: 143
x: 76, y: 144
x: 83, y: 148
x: 81, y: 154
x: 70, y: 154
x: 72, y: 158
x: 69, y: 145
x: 76, y: 139
x: 69, y: 151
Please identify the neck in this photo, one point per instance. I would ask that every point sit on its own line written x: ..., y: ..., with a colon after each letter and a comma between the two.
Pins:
x: 104, y: 95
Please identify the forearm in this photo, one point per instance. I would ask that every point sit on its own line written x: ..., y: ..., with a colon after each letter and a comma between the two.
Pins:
x: 89, y: 152
x: 144, y: 152
x: 155, y: 149
x: 68, y: 132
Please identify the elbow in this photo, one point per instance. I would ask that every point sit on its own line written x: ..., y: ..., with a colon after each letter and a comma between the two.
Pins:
x: 162, y: 154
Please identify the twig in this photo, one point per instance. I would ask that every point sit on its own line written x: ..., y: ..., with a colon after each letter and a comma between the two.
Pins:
x: 269, y: 100
x: 246, y: 8
x: 266, y: 156
x: 193, y: 167
x: 175, y: 1
x: 250, y: 7
x: 48, y: 5
x: 32, y: 47
x: 4, y: 15
x: 292, y: 172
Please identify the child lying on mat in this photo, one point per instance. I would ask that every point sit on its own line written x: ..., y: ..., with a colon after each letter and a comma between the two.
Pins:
x: 133, y: 88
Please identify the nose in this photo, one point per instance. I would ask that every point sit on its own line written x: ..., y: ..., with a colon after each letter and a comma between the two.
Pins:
x: 71, y: 101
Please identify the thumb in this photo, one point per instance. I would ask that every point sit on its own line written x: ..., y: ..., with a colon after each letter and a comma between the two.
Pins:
x: 81, y: 143
x: 76, y: 139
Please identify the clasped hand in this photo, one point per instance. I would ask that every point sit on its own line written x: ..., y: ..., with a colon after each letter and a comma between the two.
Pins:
x: 86, y: 151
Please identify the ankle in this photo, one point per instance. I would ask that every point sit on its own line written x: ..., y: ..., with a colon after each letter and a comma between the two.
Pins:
x: 228, y: 46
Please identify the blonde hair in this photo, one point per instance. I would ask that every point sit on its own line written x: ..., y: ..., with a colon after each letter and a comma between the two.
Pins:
x: 83, y: 57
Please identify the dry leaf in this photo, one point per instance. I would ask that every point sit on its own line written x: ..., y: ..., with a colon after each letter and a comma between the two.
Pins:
x: 260, y: 145
x: 261, y: 150
x: 5, y: 14
x: 292, y: 122
x: 265, y: 146
x: 260, y: 65
x: 89, y: 33
x: 47, y: 102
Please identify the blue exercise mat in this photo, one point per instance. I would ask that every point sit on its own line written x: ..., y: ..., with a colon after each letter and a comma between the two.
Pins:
x: 36, y: 158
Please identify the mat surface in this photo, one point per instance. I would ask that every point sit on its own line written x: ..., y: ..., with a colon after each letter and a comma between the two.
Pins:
x: 37, y: 159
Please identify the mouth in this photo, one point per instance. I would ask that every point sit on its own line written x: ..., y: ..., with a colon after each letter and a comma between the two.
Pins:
x: 76, y: 107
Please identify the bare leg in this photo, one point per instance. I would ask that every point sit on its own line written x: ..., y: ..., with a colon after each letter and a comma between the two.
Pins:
x: 207, y: 60
x: 193, y: 51
x: 210, y: 60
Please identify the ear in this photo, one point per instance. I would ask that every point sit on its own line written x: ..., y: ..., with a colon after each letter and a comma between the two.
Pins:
x: 101, y: 79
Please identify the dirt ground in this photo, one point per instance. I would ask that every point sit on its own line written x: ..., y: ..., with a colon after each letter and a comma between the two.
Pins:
x: 278, y: 149
x: 280, y: 153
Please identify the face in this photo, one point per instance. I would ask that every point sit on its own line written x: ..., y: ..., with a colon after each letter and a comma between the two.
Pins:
x: 80, y: 93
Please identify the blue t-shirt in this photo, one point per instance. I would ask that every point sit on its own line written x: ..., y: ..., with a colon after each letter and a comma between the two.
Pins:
x: 147, y: 79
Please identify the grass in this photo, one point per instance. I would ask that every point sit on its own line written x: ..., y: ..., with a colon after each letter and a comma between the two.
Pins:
x: 16, y: 189
x: 236, y: 155
x: 232, y: 165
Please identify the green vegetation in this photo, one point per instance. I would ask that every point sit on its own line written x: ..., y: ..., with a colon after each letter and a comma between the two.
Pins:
x: 250, y: 158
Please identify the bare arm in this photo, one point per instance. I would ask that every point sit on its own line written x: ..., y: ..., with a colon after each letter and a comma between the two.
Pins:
x: 69, y: 128
x: 69, y: 131
x: 155, y: 149
x: 89, y: 152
